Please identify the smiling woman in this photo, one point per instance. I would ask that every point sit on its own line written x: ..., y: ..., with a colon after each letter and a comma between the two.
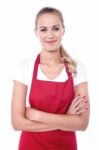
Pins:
x: 49, y: 30
x: 58, y: 93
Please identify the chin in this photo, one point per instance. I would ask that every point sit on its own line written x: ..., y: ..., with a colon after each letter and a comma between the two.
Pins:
x: 50, y: 49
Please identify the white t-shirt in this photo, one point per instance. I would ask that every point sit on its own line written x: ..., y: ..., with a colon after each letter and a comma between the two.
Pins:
x: 24, y: 72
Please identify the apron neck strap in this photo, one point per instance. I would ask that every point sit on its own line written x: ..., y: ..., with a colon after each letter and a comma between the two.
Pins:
x: 36, y: 66
x: 67, y: 69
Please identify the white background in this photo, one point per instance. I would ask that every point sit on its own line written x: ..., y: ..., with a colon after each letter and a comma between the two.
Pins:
x: 17, y: 41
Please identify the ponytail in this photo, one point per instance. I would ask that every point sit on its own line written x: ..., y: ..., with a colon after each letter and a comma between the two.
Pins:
x: 72, y: 64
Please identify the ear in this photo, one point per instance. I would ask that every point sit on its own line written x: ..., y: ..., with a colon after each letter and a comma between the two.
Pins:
x: 35, y: 31
x: 63, y: 30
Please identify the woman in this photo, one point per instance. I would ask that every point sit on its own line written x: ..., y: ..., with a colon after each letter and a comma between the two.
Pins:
x: 59, y: 102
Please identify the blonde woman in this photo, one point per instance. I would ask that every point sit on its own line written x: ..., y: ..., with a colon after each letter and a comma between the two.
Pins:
x: 58, y: 91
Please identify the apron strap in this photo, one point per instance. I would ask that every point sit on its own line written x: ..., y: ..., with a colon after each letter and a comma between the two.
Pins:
x: 36, y: 66
x: 67, y: 69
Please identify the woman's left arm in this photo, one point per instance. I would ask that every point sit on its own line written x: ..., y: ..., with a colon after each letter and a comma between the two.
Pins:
x: 65, y: 122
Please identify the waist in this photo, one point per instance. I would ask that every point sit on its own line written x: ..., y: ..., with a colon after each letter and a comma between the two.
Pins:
x: 56, y: 135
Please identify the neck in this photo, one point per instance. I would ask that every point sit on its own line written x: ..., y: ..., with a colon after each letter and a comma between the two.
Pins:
x: 50, y: 57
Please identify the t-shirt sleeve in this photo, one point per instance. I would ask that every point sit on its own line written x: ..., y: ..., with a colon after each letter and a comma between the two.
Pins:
x: 81, y: 74
x: 20, y: 72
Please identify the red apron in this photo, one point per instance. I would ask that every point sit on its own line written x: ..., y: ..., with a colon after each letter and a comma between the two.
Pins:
x: 52, y: 97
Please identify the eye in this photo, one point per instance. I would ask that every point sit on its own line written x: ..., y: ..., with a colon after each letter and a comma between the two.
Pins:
x: 56, y: 28
x: 43, y: 30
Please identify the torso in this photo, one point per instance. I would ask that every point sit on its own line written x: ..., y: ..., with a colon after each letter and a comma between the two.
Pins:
x: 52, y: 97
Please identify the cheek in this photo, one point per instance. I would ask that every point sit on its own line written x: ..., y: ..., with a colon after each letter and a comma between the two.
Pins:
x: 42, y: 37
x: 59, y: 36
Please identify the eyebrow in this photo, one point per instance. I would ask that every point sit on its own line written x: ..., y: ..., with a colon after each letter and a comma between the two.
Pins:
x: 57, y: 25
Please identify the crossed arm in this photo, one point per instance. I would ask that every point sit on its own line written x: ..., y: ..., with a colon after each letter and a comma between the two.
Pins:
x: 30, y: 119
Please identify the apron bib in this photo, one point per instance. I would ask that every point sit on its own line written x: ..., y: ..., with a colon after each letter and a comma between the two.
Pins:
x: 52, y: 97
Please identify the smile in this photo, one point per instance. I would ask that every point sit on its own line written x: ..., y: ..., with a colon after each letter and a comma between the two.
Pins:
x: 51, y: 42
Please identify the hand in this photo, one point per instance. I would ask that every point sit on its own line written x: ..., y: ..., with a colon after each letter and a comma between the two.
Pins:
x: 32, y: 114
x: 78, y: 105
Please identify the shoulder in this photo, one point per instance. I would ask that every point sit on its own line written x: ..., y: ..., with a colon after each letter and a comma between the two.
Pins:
x: 23, y: 70
x: 24, y: 65
x: 81, y: 75
x: 80, y: 66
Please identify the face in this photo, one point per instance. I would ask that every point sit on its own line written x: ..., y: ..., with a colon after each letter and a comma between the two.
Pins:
x: 50, y: 31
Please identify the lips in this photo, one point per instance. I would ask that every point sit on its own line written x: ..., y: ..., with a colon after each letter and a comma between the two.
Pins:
x: 51, y: 42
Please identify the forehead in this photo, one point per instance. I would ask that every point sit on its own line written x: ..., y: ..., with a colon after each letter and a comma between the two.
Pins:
x: 48, y: 19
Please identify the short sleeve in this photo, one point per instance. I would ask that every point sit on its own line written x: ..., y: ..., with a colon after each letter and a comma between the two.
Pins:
x: 20, y: 72
x: 81, y: 74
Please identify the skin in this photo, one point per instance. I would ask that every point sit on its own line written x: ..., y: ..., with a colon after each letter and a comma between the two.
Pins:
x: 50, y: 32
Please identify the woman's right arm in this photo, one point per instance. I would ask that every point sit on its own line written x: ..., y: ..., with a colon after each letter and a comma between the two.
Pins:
x: 18, y: 111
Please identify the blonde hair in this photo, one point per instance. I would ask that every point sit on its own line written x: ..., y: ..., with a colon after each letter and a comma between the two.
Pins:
x: 72, y: 64
x: 65, y: 56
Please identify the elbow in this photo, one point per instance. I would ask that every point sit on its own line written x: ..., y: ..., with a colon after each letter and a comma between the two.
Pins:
x: 83, y: 125
x: 17, y: 124
x: 83, y: 122
x: 16, y: 127
x: 83, y: 128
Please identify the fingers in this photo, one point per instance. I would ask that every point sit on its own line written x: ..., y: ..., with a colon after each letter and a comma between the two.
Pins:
x: 75, y: 100
x: 78, y: 105
x: 81, y: 102
x: 81, y: 108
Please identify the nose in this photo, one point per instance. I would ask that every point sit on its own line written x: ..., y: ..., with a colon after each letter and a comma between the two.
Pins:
x: 50, y: 34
